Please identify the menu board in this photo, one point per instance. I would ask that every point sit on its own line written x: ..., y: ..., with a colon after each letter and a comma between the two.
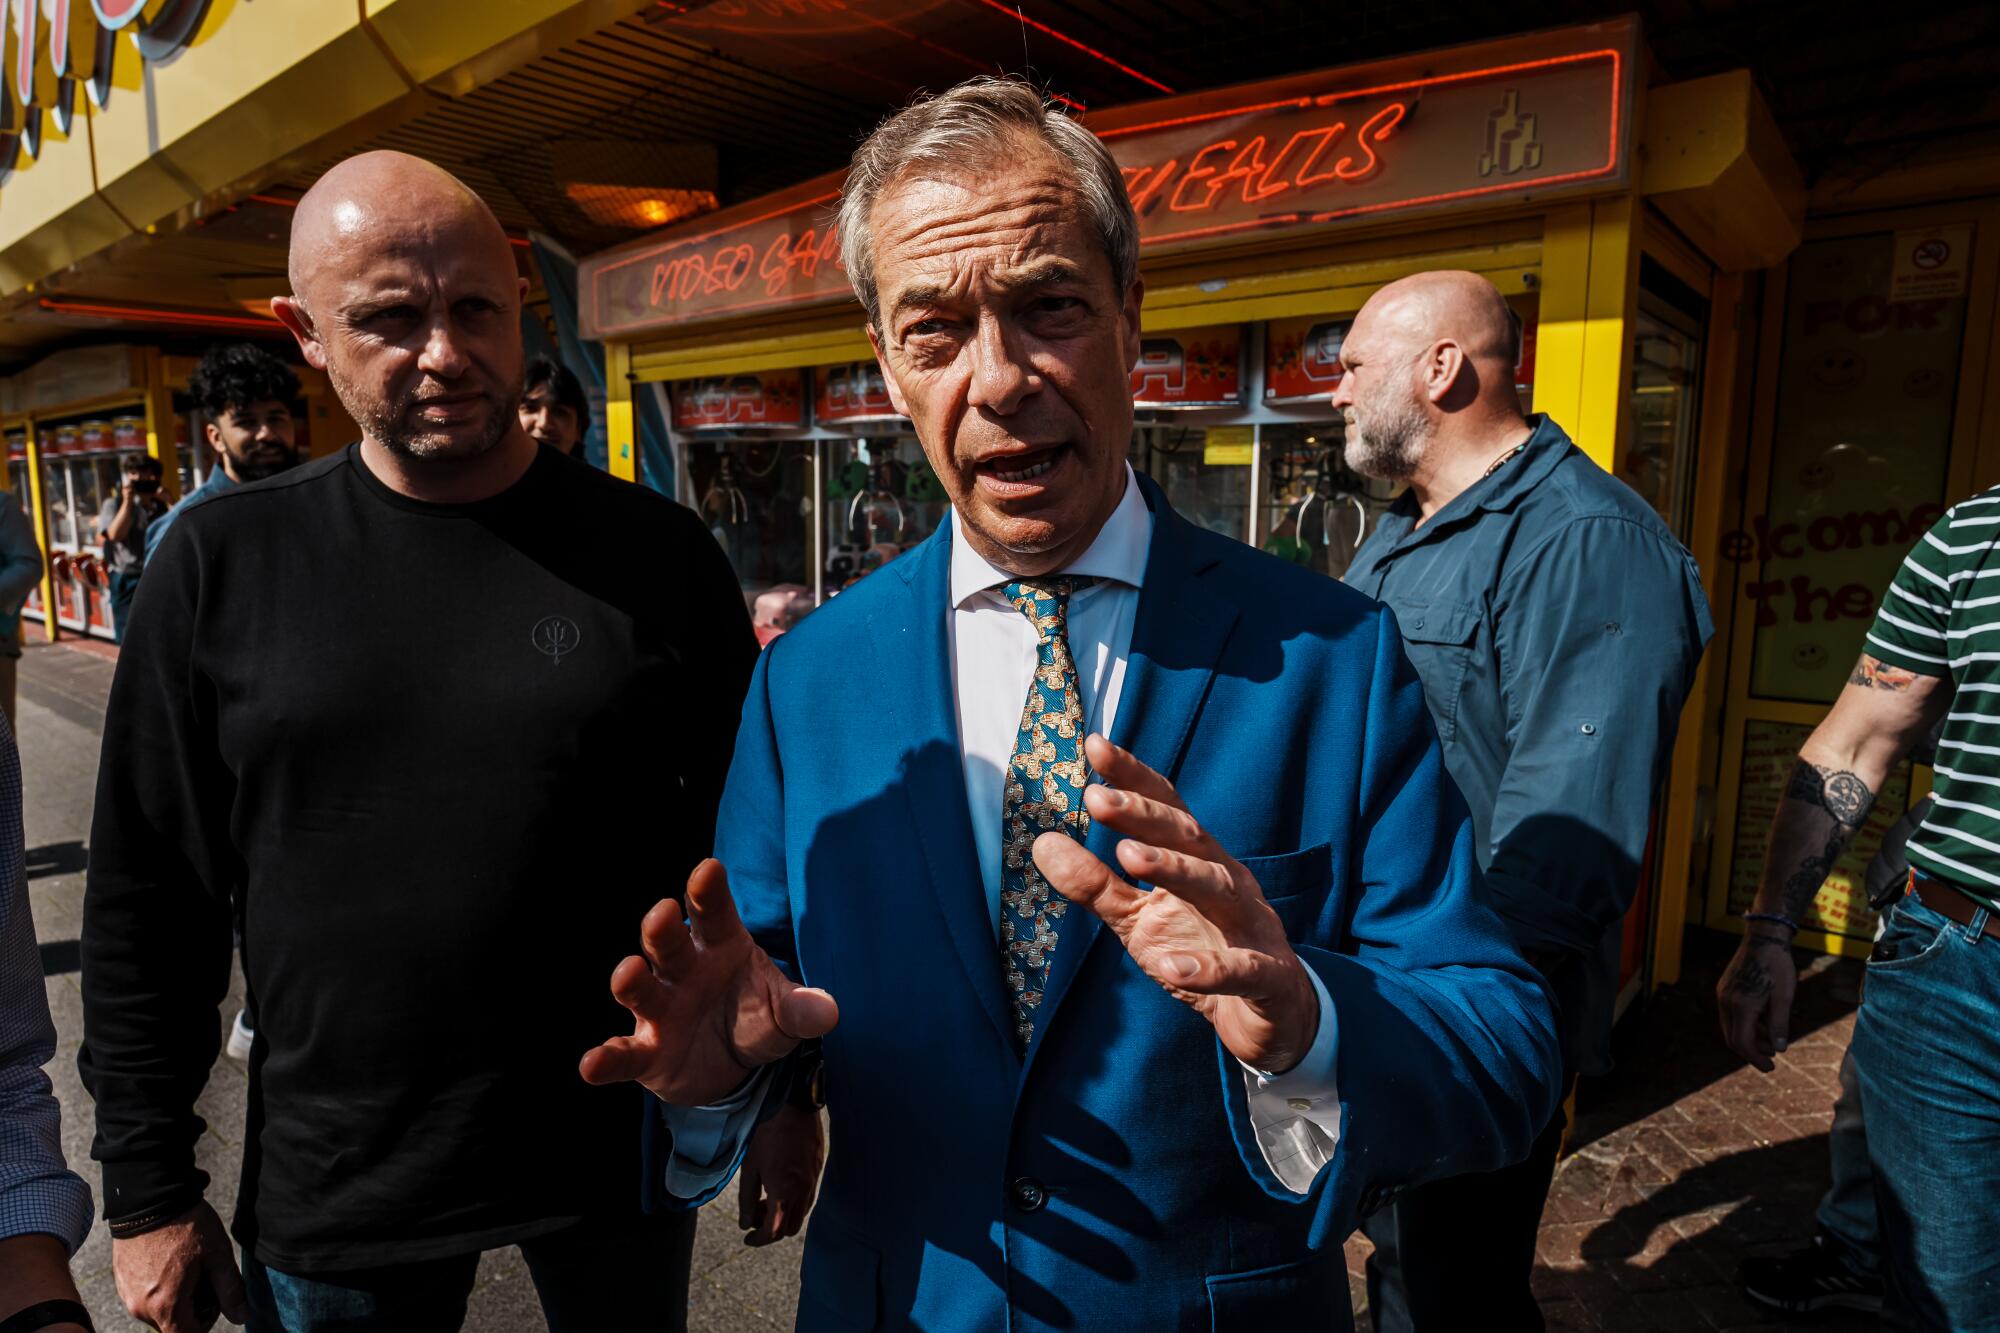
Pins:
x: 775, y: 398
x: 1770, y: 749
x: 1190, y: 368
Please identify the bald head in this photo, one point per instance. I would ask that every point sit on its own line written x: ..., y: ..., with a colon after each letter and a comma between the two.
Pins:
x: 1451, y: 305
x: 1429, y: 379
x: 406, y: 292
x: 385, y: 199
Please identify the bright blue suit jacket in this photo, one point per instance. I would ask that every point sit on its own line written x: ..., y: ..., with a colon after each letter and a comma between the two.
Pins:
x: 1281, y: 705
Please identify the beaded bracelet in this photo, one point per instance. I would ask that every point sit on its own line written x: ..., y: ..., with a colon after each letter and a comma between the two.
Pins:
x: 1775, y: 918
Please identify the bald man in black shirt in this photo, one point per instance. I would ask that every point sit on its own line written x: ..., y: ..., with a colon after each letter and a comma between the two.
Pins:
x: 446, y: 712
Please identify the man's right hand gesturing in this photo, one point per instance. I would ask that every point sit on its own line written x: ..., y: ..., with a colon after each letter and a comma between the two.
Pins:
x: 708, y: 1006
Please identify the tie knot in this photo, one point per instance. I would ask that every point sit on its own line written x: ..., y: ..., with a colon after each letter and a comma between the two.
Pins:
x: 1045, y: 601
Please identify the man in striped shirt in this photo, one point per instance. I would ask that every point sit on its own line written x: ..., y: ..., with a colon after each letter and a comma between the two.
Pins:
x: 1927, y: 1045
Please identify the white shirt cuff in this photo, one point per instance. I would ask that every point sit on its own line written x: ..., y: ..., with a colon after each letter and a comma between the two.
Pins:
x: 1296, y: 1114
x: 708, y: 1140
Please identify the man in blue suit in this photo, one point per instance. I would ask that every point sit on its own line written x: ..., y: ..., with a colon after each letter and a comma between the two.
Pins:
x: 1114, y: 862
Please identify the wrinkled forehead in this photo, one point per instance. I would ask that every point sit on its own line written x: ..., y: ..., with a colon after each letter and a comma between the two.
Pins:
x: 965, y: 227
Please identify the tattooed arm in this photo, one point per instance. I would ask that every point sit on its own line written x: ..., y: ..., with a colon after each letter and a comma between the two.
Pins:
x: 1881, y: 714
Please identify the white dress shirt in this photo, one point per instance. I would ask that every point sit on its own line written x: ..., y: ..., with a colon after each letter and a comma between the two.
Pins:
x: 993, y: 656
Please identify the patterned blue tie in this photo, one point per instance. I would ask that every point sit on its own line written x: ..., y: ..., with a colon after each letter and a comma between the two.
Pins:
x: 1045, y: 782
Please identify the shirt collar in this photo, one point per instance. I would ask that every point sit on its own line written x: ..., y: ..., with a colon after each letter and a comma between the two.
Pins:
x: 1118, y: 554
x: 1546, y: 446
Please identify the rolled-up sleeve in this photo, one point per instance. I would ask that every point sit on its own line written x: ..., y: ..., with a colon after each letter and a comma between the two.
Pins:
x: 1597, y: 634
x: 38, y: 1192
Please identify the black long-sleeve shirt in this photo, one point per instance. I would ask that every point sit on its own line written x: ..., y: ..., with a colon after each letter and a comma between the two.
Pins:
x: 445, y: 757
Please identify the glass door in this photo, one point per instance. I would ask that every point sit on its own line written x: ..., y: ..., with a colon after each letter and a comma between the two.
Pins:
x: 1665, y: 400
x: 1869, y: 383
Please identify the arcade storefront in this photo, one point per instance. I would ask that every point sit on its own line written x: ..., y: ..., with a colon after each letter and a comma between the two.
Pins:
x: 1269, y: 213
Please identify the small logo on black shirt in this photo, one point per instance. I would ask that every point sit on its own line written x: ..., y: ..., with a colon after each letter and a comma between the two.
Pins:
x: 555, y: 637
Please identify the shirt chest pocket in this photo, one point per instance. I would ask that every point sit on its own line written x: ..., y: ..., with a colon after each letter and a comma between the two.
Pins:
x: 1441, y: 639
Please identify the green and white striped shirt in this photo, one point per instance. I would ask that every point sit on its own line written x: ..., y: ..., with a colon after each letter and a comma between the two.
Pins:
x: 1941, y: 617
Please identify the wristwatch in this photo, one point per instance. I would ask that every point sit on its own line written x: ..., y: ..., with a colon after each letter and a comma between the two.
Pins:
x: 808, y: 1090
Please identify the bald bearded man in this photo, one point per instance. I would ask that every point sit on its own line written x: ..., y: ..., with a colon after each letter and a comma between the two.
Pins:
x: 1556, y: 624
x: 443, y: 711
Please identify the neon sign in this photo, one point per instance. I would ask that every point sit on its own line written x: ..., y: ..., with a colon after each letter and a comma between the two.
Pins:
x: 1313, y: 156
x: 1531, y: 116
x: 1337, y: 148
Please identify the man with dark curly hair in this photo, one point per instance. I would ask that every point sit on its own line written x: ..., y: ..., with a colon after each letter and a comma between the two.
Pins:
x: 245, y: 396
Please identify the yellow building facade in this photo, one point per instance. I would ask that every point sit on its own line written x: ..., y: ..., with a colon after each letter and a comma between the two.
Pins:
x: 1790, y: 365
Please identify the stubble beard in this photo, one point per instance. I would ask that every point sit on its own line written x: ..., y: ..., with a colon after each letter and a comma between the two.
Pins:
x: 1390, y: 445
x: 385, y: 423
x: 249, y: 469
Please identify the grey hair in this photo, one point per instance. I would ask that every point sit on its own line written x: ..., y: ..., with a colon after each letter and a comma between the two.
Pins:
x: 964, y: 129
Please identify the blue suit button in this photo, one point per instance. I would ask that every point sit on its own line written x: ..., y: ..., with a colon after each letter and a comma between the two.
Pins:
x: 1027, y: 1194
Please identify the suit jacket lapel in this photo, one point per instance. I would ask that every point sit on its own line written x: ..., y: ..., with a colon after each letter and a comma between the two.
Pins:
x: 913, y: 667
x: 1177, y: 639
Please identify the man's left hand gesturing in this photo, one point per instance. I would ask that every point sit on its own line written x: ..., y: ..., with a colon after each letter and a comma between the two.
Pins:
x: 1204, y: 932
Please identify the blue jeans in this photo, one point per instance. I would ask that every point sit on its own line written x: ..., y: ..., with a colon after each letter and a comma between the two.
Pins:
x: 124, y: 587
x: 1927, y: 1048
x: 1847, y: 1212
x: 631, y: 1273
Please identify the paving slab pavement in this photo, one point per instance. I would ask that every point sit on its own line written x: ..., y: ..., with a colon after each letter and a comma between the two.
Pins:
x: 1682, y: 1163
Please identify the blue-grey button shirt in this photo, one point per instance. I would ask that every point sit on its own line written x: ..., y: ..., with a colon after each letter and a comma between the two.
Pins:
x: 1556, y: 624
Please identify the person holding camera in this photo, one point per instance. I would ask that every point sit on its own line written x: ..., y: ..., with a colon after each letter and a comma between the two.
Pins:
x: 122, y: 527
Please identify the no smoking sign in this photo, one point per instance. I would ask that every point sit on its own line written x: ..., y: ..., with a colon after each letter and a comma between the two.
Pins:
x: 1930, y: 265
